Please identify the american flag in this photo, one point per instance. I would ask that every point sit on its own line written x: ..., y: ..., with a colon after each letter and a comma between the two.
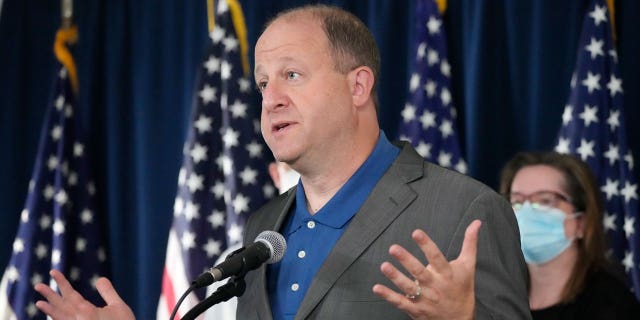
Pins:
x: 428, y: 118
x: 59, y: 226
x: 224, y: 174
x: 593, y: 127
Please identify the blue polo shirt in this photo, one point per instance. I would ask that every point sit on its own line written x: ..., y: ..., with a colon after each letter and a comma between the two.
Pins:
x: 310, y: 238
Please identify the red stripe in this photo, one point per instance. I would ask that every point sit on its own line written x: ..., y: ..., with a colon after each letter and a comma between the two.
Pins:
x: 168, y: 292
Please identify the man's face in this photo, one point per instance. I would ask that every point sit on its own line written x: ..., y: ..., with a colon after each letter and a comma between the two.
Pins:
x: 307, y: 109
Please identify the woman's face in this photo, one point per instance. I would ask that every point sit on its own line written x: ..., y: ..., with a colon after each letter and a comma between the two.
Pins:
x: 545, y: 185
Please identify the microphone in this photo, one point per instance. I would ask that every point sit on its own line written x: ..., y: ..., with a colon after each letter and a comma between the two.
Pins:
x: 268, y: 247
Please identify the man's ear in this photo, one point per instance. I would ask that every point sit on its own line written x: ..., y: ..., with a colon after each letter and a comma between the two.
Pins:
x: 361, y: 81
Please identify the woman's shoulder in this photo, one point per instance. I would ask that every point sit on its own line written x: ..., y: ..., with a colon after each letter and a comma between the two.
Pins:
x: 607, y: 293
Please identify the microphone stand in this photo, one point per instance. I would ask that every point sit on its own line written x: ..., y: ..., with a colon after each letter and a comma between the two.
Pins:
x: 234, y: 288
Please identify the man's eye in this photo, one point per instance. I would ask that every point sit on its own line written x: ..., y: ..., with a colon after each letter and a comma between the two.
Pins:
x: 292, y: 75
x: 261, y: 86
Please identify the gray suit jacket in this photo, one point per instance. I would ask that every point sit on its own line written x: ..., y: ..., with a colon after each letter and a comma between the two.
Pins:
x: 411, y: 194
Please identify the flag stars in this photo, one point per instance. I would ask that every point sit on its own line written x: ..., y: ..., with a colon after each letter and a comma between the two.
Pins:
x: 31, y: 310
x: 428, y: 119
x: 430, y: 87
x: 445, y: 68
x: 41, y: 251
x: 592, y: 82
x: 216, y: 219
x: 627, y: 262
x: 446, y: 128
x: 629, y: 226
x: 56, y: 256
x: 595, y: 48
x: 24, y: 216
x: 432, y: 57
x: 198, y: 153
x: 18, y: 245
x: 36, y: 278
x: 424, y: 149
x: 58, y: 227
x: 567, y: 114
x: 586, y: 149
x: 61, y: 197
x: 614, y: 85
x: 612, y: 154
x: 599, y: 14
x: 244, y: 84
x: 461, y: 166
x: 78, y: 149
x: 56, y: 133
x: 188, y: 240
x: 610, y: 188
x: 218, y: 189
x: 589, y: 115
x: 208, y: 94
x: 52, y: 163
x: 194, y: 182
x: 59, y: 103
x: 630, y: 191
x: 86, y: 216
x: 414, y: 82
x: 248, y: 176
x: 178, y: 206
x: 563, y: 146
x: 628, y: 158
x: 12, y: 274
x: 74, y: 274
x: 212, y: 248
x: 217, y: 34
x: 408, y: 113
x: 203, y: 124
x: 102, y: 254
x: 235, y: 233
x: 212, y: 65
x: 444, y: 159
x: 240, y: 204
x: 238, y: 109
x: 254, y: 149
x: 422, y: 49
x: 609, y: 221
x: 614, y: 119
x: 48, y: 192
x: 230, y: 138
x: 433, y: 25
x: 191, y: 211
x: 230, y: 44
x: 45, y: 222
x: 445, y: 96
x: 225, y: 70
x: 81, y: 245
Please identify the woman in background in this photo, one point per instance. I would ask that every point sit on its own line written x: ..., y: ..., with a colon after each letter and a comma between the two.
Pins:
x: 559, y: 212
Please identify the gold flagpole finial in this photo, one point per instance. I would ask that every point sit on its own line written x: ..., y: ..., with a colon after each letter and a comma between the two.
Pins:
x: 66, y: 10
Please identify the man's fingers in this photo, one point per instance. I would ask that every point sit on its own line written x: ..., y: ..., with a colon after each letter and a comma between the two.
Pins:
x: 470, y: 245
x: 107, y: 292
x: 437, y: 261
x: 67, y: 291
x: 406, y: 259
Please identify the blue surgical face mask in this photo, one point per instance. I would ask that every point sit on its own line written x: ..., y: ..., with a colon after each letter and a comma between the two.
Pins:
x: 542, y: 232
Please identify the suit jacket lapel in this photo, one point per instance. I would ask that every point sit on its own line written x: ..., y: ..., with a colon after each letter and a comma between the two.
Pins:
x: 388, y: 199
x: 279, y: 218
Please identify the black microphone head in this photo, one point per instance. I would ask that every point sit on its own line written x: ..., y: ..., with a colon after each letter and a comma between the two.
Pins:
x: 276, y: 243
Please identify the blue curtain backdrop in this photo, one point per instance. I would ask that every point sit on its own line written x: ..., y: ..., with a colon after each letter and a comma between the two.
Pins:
x: 511, y: 65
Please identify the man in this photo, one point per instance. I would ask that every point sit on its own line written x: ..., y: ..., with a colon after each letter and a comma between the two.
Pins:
x: 360, y: 199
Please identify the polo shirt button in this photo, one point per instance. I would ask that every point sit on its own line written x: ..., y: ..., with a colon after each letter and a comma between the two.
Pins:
x: 295, y: 287
x: 301, y: 254
x: 311, y: 224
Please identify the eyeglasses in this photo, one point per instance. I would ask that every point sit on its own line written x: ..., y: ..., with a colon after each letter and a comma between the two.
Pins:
x: 544, y: 198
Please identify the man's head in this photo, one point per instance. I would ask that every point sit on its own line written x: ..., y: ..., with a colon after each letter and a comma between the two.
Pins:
x: 351, y: 43
x: 317, y: 89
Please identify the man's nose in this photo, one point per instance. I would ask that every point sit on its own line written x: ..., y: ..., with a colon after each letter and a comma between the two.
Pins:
x: 273, y: 96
